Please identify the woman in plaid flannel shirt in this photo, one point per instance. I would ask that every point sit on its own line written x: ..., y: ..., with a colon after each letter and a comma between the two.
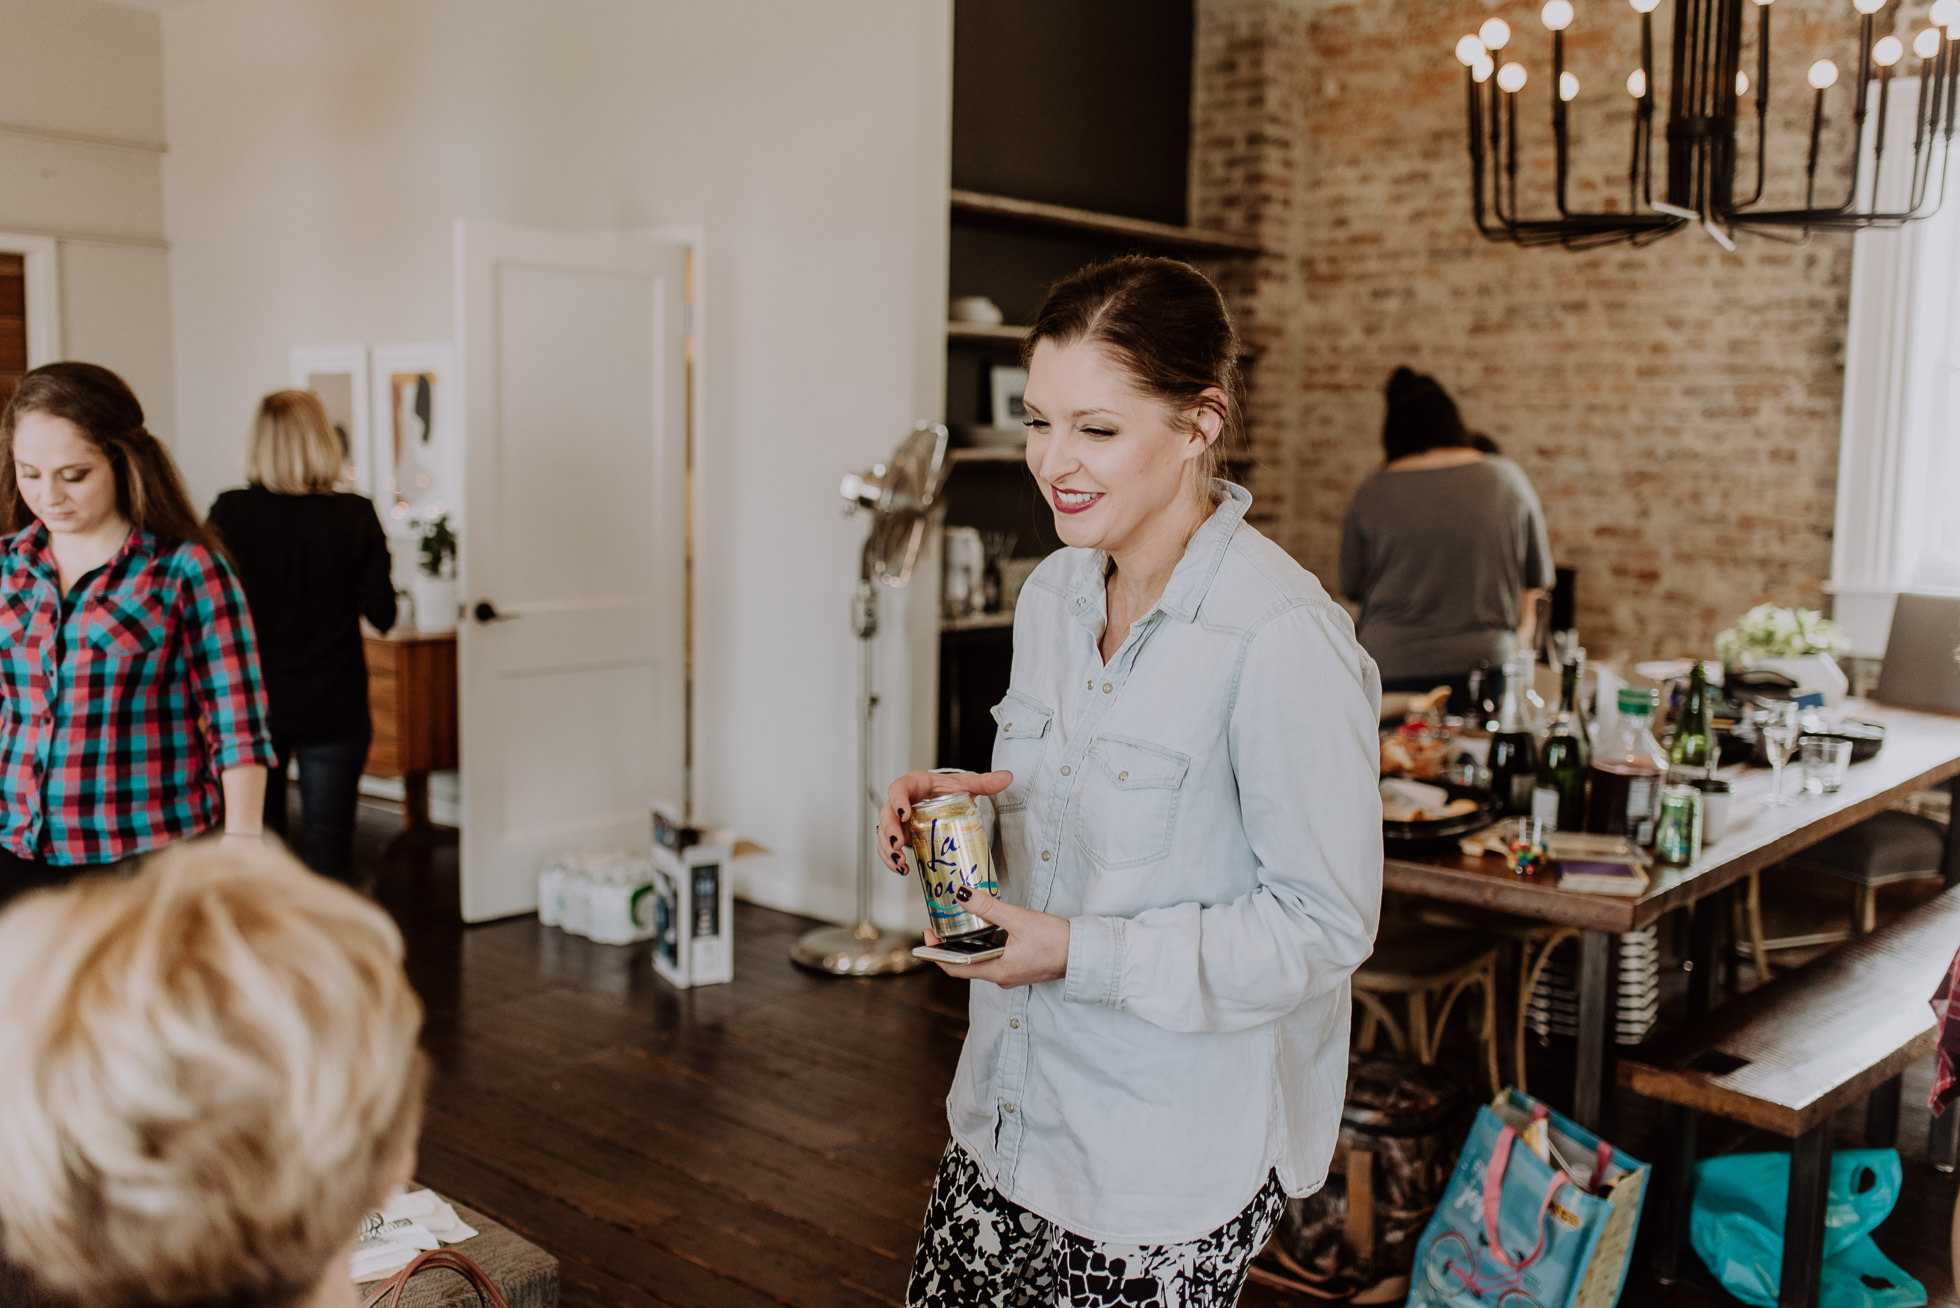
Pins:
x: 131, y: 708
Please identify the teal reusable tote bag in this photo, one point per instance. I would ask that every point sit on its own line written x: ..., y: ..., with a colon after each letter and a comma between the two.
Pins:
x: 1517, y: 1230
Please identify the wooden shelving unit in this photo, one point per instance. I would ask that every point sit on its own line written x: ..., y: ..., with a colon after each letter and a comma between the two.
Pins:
x: 979, y: 621
x: 1031, y: 213
x: 989, y: 454
x: 985, y: 333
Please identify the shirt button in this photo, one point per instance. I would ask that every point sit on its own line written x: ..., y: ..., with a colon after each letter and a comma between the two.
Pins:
x: 1092, y: 685
x: 1065, y: 769
x: 1122, y: 776
x: 1044, y: 856
x: 1106, y: 687
x: 1014, y: 1023
x: 1008, y: 1107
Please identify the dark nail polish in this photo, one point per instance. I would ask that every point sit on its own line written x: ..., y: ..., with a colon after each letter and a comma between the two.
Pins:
x: 894, y: 841
x: 963, y: 894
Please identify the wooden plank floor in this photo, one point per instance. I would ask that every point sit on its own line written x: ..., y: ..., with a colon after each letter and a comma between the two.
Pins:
x: 771, y: 1141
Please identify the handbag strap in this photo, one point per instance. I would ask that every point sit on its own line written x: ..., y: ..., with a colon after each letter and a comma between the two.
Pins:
x: 1500, y: 1160
x: 446, y: 1259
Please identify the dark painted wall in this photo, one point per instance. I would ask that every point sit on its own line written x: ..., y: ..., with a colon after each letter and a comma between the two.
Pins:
x: 1078, y: 102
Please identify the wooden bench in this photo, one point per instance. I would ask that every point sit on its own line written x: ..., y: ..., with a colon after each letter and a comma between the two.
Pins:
x: 1788, y: 1055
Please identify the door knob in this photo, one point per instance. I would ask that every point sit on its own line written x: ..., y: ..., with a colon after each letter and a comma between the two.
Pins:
x: 485, y: 611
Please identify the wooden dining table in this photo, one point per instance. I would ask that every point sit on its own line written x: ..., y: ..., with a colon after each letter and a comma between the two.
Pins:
x: 1921, y: 750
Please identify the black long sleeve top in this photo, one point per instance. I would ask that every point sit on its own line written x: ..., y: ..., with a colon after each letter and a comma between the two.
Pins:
x: 313, y: 567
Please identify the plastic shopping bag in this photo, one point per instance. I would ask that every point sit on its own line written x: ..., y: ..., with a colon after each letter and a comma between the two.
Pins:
x: 1537, y: 1207
x: 1737, y: 1228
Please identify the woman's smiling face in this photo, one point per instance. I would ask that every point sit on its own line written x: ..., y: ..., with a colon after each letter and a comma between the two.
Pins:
x: 1110, y: 459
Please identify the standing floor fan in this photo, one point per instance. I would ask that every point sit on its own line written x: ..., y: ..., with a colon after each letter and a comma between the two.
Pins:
x: 898, y: 495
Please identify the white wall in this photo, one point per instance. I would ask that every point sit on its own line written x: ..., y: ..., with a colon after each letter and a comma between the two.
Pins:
x: 320, y: 150
x: 81, y: 155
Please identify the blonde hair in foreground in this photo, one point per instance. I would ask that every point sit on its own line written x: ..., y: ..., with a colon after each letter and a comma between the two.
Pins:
x: 294, y: 450
x: 208, y: 1073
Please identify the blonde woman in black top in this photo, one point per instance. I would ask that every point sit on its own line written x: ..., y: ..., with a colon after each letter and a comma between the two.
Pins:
x: 314, y: 562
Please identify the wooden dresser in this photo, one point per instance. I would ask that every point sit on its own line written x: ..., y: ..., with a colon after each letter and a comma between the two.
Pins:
x: 412, y: 698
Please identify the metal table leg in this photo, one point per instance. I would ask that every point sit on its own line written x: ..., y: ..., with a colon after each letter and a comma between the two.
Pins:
x: 1941, y: 1140
x: 1677, y: 1193
x: 1710, y: 918
x: 1803, y: 1226
x: 1596, y: 991
x: 1950, y: 865
x: 1882, y: 1114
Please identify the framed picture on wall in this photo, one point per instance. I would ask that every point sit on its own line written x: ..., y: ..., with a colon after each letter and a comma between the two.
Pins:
x: 1008, y: 385
x: 338, y: 374
x: 414, y: 432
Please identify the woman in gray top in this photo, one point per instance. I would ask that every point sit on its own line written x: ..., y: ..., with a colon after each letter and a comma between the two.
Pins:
x: 1190, y: 846
x: 1445, y: 548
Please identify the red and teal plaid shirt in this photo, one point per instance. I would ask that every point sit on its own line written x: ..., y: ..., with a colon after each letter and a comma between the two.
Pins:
x: 123, y: 706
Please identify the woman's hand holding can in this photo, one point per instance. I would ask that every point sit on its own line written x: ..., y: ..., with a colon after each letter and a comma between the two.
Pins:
x: 915, y: 786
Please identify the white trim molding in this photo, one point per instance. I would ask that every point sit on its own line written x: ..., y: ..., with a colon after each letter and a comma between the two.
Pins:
x: 43, y: 259
x: 309, y: 361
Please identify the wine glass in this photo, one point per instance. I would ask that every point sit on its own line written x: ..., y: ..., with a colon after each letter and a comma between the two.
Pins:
x: 1780, y: 732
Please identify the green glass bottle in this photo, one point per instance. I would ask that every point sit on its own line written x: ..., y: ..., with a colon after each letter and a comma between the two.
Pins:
x: 1691, y: 754
x: 1560, y: 794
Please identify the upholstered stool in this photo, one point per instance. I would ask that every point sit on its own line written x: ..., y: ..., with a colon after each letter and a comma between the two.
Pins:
x: 1885, y: 848
x: 1422, y: 962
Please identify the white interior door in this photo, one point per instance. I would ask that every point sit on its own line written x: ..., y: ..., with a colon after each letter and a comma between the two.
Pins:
x: 573, y: 547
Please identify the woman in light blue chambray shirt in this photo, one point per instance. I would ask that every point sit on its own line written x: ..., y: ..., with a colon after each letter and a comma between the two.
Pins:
x: 1189, y: 844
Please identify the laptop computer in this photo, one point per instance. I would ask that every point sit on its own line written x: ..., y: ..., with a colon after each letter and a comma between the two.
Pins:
x: 1922, y: 655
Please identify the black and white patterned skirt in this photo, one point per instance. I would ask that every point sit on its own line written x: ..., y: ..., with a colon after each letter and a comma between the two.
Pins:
x: 980, y: 1250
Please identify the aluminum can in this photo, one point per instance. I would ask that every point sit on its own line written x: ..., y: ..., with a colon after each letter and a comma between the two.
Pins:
x: 949, y: 843
x: 1677, y: 832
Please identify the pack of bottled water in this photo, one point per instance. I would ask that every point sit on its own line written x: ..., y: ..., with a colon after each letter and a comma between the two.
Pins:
x: 607, y: 896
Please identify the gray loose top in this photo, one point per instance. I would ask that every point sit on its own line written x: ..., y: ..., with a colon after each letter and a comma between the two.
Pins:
x: 1203, y: 808
x: 1438, y: 558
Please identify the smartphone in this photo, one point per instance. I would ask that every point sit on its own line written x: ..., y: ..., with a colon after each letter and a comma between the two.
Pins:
x: 973, y: 949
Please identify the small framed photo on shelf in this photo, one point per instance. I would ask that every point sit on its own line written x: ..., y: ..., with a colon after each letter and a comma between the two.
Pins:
x: 1007, y: 386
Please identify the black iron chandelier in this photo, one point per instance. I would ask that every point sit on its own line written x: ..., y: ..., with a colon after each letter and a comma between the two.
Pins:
x: 1706, y: 87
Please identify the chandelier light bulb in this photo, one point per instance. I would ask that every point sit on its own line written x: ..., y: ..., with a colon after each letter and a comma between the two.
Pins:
x: 1557, y: 15
x: 1888, y: 51
x: 1944, y: 13
x: 1762, y: 4
x: 1927, y: 44
x: 1742, y: 84
x: 1511, y: 78
x: 1645, y: 6
x: 1483, y: 68
x: 1868, y: 6
x: 1823, y: 73
x: 1468, y: 51
x: 1568, y: 87
x: 1637, y: 84
x: 1496, y: 33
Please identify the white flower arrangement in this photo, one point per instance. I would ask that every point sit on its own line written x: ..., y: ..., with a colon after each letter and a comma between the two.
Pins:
x: 1769, y: 632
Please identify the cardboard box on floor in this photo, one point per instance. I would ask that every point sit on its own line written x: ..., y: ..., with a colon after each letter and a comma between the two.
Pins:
x: 694, y: 894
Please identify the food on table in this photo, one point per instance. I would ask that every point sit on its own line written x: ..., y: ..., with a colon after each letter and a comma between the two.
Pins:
x: 1412, y: 801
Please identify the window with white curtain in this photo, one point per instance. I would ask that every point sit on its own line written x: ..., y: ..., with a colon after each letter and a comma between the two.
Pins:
x: 1898, y: 505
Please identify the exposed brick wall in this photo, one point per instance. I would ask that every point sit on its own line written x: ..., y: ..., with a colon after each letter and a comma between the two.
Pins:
x: 1677, y: 406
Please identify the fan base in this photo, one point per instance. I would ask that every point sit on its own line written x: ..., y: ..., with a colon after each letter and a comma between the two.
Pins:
x: 862, y: 950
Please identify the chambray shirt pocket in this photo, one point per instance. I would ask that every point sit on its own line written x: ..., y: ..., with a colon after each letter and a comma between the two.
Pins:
x: 1129, y: 801
x: 1020, y: 742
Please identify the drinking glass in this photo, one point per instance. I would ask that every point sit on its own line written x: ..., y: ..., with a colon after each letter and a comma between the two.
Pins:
x: 1780, y: 730
x: 1824, y: 760
x: 1527, y: 844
